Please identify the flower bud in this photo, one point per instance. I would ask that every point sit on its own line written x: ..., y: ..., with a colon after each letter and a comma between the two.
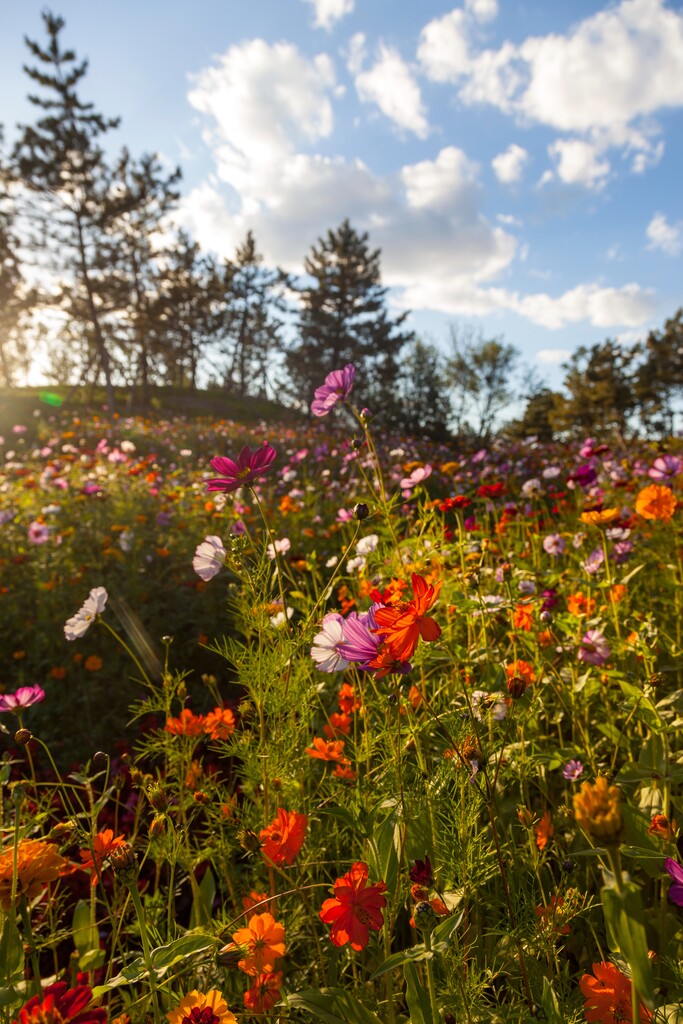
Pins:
x: 526, y: 818
x: 248, y: 840
x: 229, y: 956
x: 157, y: 826
x: 361, y: 511
x: 516, y: 687
x: 23, y: 737
x: 124, y: 864
x: 100, y: 759
x: 663, y: 828
x: 157, y: 798
x: 425, y: 917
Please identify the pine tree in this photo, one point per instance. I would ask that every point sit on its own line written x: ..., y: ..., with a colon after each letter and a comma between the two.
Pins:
x: 599, y: 397
x: 61, y: 163
x: 344, y: 320
x: 251, y: 330
x: 659, y: 378
x: 423, y: 394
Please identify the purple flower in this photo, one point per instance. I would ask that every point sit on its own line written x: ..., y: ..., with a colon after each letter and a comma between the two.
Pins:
x: 24, y: 697
x: 594, y: 648
x: 81, y: 622
x: 360, y: 643
x: 675, y: 872
x: 338, y: 386
x: 584, y: 475
x: 593, y: 563
x: 572, y: 770
x: 209, y: 558
x: 665, y: 467
x: 245, y: 471
x: 553, y: 544
x: 326, y: 649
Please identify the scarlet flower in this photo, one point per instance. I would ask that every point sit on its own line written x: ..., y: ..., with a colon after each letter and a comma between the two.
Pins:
x: 544, y: 831
x: 348, y: 702
x: 264, y: 993
x: 608, y: 996
x: 338, y: 723
x: 402, y: 626
x: 521, y: 668
x: 262, y: 940
x: 327, y: 750
x: 102, y: 845
x: 62, y: 1005
x: 355, y: 908
x: 663, y: 828
x: 284, y: 837
x: 219, y: 724
x: 202, y: 1008
x: 186, y: 724
x: 523, y: 617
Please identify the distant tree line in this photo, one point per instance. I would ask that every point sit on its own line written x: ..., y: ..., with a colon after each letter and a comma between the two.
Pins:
x: 124, y: 297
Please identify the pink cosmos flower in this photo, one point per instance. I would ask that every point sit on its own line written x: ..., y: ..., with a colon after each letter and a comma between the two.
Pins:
x: 22, y: 698
x: 38, y: 533
x: 416, y: 477
x: 665, y: 468
x: 594, y: 648
x: 209, y: 558
x: 338, y: 385
x: 248, y: 468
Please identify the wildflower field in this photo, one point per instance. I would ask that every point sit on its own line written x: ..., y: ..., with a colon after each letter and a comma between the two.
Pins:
x: 306, y: 723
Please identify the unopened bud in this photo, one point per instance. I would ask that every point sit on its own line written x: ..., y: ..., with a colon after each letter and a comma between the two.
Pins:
x: 100, y: 759
x: 526, y: 818
x: 23, y: 737
x: 136, y: 776
x: 157, y: 798
x: 425, y: 917
x: 516, y: 687
x: 361, y: 511
x: 124, y: 864
x: 229, y: 956
x: 157, y: 826
x: 248, y: 840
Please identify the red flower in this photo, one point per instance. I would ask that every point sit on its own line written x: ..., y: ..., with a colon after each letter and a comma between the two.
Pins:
x: 284, y: 837
x: 264, y: 993
x: 61, y: 1005
x: 103, y: 845
x: 355, y: 908
x: 608, y: 996
x: 401, y: 627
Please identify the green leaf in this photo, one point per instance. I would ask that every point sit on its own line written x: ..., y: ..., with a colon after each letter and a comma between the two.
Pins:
x: 163, y: 957
x: 625, y: 922
x: 10, y: 997
x: 550, y: 1004
x: 417, y: 997
x: 333, y: 1005
x: 202, y: 904
x: 404, y: 956
x: 86, y: 936
x: 672, y: 1013
x: 11, y: 950
x: 383, y: 851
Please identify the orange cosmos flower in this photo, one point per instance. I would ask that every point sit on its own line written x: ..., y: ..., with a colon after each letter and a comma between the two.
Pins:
x: 355, y: 908
x: 103, y: 844
x: 262, y: 940
x: 264, y: 993
x: 656, y: 502
x: 402, y: 626
x: 600, y: 518
x: 608, y: 996
x: 186, y: 724
x: 578, y: 604
x: 260, y: 900
x: 93, y: 663
x: 327, y: 750
x: 664, y: 829
x: 202, y: 1008
x: 338, y: 724
x: 522, y: 669
x: 38, y: 863
x: 544, y: 830
x: 523, y: 617
x: 348, y: 702
x: 219, y: 724
x: 284, y: 837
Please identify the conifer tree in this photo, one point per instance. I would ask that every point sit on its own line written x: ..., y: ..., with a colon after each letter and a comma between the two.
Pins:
x: 659, y: 378
x: 344, y: 319
x: 423, y: 396
x: 599, y: 394
x: 61, y: 164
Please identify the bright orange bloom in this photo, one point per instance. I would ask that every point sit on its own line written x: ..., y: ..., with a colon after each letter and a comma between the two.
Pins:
x: 523, y: 617
x: 202, y: 1008
x: 664, y: 829
x: 262, y: 940
x: 348, y: 702
x: 194, y: 775
x: 264, y: 993
x: 579, y: 604
x: 38, y: 863
x: 261, y: 900
x: 186, y: 724
x: 602, y: 518
x: 402, y: 626
x: 522, y: 669
x: 608, y: 997
x: 327, y: 750
x: 219, y: 724
x: 344, y: 771
x: 93, y: 663
x: 544, y: 831
x: 616, y: 593
x: 102, y: 845
x: 284, y: 837
x: 338, y: 723
x: 354, y: 908
x: 385, y: 661
x: 656, y: 502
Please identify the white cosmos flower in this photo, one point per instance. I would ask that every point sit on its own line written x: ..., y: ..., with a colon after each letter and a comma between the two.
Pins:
x: 280, y: 547
x: 81, y: 622
x: 367, y: 544
x: 325, y: 651
x: 209, y: 558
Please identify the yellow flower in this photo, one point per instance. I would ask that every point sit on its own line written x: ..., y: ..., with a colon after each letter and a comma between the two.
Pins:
x: 656, y: 502
x: 595, y: 518
x: 38, y: 863
x: 192, y: 1009
x: 597, y: 809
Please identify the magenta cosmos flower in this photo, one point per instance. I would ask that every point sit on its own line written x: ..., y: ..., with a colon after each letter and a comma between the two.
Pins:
x: 675, y: 872
x: 248, y: 468
x: 338, y: 385
x: 22, y: 698
x: 594, y: 648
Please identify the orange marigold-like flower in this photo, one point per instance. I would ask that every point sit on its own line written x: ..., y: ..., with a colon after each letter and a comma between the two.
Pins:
x: 38, y: 863
x: 597, y: 809
x: 402, y: 626
x: 522, y: 669
x: 355, y: 908
x: 523, y: 617
x: 219, y: 724
x: 544, y: 830
x: 102, y: 845
x: 186, y: 724
x: 327, y: 750
x: 93, y: 663
x: 264, y: 993
x: 263, y: 942
x: 202, y: 1008
x: 579, y: 604
x: 338, y: 723
x: 284, y: 837
x: 608, y: 997
x: 656, y: 502
x: 600, y: 518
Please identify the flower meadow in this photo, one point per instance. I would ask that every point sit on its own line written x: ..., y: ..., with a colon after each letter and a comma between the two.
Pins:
x: 310, y: 723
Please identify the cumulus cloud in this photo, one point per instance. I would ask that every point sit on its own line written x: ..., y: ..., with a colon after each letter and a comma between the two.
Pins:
x: 444, y: 48
x: 509, y: 165
x: 668, y: 238
x: 553, y: 356
x: 391, y: 85
x: 578, y: 162
x: 482, y: 10
x: 329, y: 12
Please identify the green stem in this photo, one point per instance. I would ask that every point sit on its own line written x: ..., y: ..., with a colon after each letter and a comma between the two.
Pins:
x: 28, y: 934
x: 430, y: 978
x: 146, y: 948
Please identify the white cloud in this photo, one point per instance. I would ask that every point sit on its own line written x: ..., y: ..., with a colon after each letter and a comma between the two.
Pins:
x: 443, y: 50
x: 328, y: 12
x: 482, y: 10
x: 577, y: 163
x: 553, y: 356
x: 440, y: 184
x: 664, y: 236
x: 392, y: 86
x: 355, y: 53
x: 509, y: 164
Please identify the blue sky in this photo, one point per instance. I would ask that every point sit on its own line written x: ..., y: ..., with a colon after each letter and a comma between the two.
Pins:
x: 518, y: 163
